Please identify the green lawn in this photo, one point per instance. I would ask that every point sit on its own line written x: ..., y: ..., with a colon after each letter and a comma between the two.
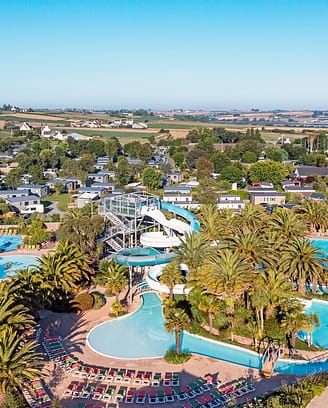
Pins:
x: 62, y: 199
x: 29, y: 119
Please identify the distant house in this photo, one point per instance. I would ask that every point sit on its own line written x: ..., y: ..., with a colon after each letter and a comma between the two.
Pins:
x: 270, y: 197
x: 101, y: 177
x: 100, y: 191
x: 176, y: 177
x: 307, y: 171
x: 26, y: 127
x: 4, y: 194
x: 101, y: 162
x: 26, y: 204
x: 177, y: 194
x: 25, y: 178
x: 110, y: 187
x: 36, y: 189
x: 68, y: 186
x: 230, y: 201
x: 85, y: 198
x: 56, y: 134
x: 139, y: 125
x: 304, y: 190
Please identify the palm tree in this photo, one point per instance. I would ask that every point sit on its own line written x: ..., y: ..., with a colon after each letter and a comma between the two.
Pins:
x: 314, y: 213
x: 251, y: 246
x: 227, y: 276
x: 176, y: 320
x: 62, y: 272
x: 253, y: 218
x: 171, y: 276
x: 116, y: 280
x: 193, y: 251
x: 286, y: 225
x: 210, y: 305
x: 275, y: 289
x: 210, y: 221
x: 18, y: 362
x: 303, y: 262
x: 13, y: 314
x: 295, y: 321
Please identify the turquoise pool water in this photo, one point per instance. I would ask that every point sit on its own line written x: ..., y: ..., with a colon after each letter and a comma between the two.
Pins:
x: 322, y: 244
x: 10, y: 263
x: 142, y: 335
x: 10, y: 242
x: 320, y: 334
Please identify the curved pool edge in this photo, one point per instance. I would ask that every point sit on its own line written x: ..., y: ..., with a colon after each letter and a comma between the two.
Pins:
x: 120, y: 318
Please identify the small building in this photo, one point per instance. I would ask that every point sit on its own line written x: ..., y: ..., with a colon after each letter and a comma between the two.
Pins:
x: 270, y: 197
x: 86, y: 198
x: 77, y: 136
x: 4, y: 194
x: 176, y: 177
x: 36, y: 189
x: 101, y: 162
x: 101, y: 177
x: 100, y: 191
x: 230, y: 201
x: 177, y: 194
x: 110, y: 187
x: 26, y: 204
x: 68, y: 186
x: 307, y: 171
x: 303, y: 190
x: 46, y: 132
x: 26, y: 127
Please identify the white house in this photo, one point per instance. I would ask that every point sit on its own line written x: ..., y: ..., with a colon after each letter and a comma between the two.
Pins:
x: 231, y: 201
x: 26, y: 204
x: 36, y: 189
x: 56, y: 134
x: 26, y: 127
x: 85, y: 198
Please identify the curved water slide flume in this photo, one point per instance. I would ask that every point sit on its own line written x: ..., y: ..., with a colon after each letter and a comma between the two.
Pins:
x: 172, y: 227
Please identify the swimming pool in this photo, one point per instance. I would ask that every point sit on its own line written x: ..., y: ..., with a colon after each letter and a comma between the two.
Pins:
x: 142, y: 335
x: 10, y: 242
x: 319, y: 335
x: 10, y: 263
x: 322, y: 244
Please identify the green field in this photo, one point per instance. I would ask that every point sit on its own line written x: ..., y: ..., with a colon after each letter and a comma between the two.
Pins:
x: 62, y: 199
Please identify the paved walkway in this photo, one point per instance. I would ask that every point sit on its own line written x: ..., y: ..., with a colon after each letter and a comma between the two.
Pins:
x: 321, y: 401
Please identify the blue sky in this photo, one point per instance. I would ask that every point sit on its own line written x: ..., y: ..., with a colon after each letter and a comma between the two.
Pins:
x: 162, y: 54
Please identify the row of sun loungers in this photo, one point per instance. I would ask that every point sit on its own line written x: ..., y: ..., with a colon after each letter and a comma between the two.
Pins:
x: 8, y: 232
x: 198, y: 394
x: 35, y: 394
x: 57, y: 353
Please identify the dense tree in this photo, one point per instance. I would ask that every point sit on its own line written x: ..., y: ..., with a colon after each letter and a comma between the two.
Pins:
x: 268, y: 171
x: 276, y: 154
x: 204, y: 168
x: 232, y: 174
x: 152, y: 178
x: 220, y: 160
x: 123, y: 171
x: 116, y: 280
x: 249, y: 157
x: 293, y: 322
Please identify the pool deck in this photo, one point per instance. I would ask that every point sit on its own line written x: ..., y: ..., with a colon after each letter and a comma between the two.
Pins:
x: 73, y: 328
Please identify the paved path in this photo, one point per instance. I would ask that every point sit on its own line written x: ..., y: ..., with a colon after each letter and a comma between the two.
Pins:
x: 320, y: 402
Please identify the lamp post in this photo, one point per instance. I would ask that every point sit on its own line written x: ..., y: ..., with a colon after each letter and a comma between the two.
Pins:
x: 130, y: 284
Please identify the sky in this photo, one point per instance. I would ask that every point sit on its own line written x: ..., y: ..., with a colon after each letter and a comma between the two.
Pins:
x: 164, y: 54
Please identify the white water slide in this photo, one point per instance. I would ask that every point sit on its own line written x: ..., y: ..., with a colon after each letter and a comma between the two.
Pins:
x: 171, y: 227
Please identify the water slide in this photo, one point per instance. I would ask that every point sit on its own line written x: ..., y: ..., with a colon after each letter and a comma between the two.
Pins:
x: 142, y: 257
x: 172, y: 227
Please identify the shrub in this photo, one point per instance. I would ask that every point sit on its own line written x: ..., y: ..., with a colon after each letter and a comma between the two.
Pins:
x: 173, y: 358
x: 82, y: 302
x: 99, y: 300
x: 117, y: 309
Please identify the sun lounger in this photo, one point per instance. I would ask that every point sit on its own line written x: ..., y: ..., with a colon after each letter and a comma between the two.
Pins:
x: 98, y: 393
x: 203, y: 384
x: 128, y: 376
x: 118, y: 378
x: 168, y: 393
x: 87, y: 392
x: 195, y: 388
x: 156, y: 380
x: 152, y: 397
x: 101, y: 374
x: 141, y: 397
x: 130, y: 396
x: 108, y: 394
x: 69, y: 390
x: 138, y: 378
x: 175, y: 380
x: 111, y: 374
x: 120, y: 395
x: 180, y: 394
x: 78, y: 391
x: 167, y: 379
x: 146, y: 378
